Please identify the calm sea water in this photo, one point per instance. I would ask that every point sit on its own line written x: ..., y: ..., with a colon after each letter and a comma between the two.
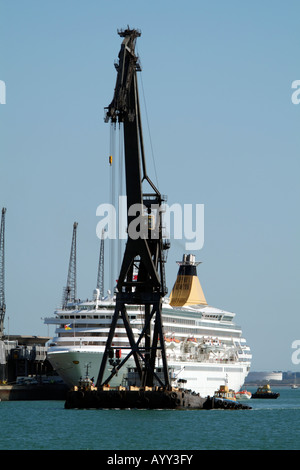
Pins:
x: 46, y: 425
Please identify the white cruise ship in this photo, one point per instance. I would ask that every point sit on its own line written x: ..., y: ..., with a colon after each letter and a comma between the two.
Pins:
x: 205, y: 348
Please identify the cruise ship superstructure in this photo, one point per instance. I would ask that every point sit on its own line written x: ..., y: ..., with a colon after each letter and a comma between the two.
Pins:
x: 204, y: 346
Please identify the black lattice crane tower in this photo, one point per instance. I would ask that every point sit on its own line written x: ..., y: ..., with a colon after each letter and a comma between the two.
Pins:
x: 2, y: 272
x: 144, y: 254
x: 70, y: 291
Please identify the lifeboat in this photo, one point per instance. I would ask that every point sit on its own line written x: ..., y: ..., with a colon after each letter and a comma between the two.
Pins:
x: 243, y: 395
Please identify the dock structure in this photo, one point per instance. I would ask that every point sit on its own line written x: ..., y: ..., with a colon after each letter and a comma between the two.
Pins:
x: 33, y: 391
x: 26, y: 374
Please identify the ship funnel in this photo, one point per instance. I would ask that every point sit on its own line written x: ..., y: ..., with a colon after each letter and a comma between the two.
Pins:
x: 187, y: 289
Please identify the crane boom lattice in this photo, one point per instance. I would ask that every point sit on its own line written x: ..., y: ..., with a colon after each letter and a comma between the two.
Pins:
x: 2, y: 272
x: 70, y: 291
x: 100, y: 277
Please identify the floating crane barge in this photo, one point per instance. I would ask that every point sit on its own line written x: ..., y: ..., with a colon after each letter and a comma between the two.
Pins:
x: 142, y: 275
x: 145, y: 398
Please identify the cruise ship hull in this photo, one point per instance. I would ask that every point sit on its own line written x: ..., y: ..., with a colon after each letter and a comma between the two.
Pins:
x: 74, y: 364
x: 202, y: 378
x: 206, y: 379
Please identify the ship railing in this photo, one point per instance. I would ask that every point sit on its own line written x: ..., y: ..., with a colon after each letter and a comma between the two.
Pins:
x: 205, y: 360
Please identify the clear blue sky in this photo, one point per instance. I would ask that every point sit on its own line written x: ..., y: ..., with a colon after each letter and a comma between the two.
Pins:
x: 217, y: 80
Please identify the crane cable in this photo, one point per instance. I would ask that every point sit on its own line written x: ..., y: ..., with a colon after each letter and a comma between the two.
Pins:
x: 148, y: 126
x: 112, y: 273
x: 120, y: 193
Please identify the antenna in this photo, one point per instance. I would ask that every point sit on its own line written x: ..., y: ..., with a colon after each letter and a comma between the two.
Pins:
x: 70, y: 291
x: 2, y: 273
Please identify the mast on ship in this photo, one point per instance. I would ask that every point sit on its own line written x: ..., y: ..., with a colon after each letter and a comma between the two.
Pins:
x: 142, y: 275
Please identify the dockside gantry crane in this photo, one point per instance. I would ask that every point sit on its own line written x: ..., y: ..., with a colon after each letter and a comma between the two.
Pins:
x: 2, y: 272
x: 70, y: 291
x: 100, y: 276
x: 142, y: 275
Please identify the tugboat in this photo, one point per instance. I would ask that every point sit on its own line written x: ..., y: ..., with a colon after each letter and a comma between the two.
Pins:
x: 225, y: 393
x: 265, y: 392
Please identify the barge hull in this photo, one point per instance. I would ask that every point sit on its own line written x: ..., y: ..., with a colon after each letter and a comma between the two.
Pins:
x: 144, y: 399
